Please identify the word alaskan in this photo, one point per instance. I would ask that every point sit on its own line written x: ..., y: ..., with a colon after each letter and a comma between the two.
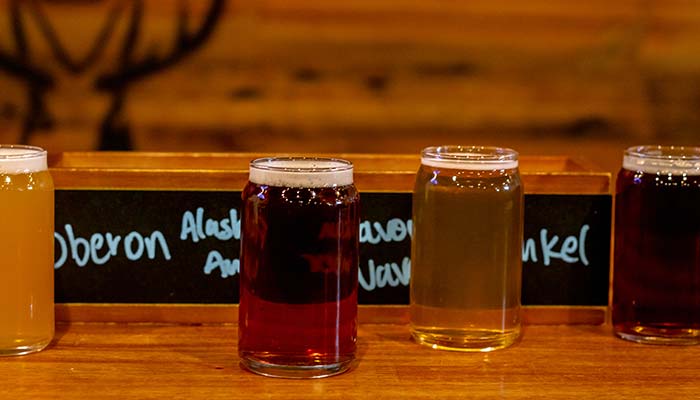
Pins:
x: 195, y: 228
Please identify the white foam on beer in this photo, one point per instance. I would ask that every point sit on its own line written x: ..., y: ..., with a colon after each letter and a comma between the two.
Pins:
x: 15, y: 160
x: 301, y: 172
x: 470, y: 161
x: 653, y: 161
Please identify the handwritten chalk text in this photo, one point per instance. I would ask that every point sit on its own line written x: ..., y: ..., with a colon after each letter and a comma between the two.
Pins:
x: 226, y: 267
x: 389, y: 274
x: 100, y: 248
x: 196, y: 228
x: 572, y: 250
x: 396, y: 230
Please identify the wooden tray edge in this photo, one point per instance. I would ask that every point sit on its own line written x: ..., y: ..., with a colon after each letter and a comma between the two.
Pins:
x: 228, y: 313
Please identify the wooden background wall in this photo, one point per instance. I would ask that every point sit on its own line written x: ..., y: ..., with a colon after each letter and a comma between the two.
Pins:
x: 544, y: 76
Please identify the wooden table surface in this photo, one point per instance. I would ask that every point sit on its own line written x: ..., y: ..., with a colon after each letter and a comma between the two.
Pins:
x: 157, y: 361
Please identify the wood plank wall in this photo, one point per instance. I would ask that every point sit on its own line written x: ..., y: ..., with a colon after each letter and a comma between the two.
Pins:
x: 373, y: 75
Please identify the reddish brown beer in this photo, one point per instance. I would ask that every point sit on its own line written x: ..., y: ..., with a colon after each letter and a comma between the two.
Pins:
x: 299, y: 268
x: 656, y: 283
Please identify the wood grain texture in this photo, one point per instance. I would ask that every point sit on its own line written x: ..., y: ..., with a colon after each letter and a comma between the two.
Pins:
x: 228, y: 313
x: 382, y: 76
x: 229, y: 171
x: 147, y: 361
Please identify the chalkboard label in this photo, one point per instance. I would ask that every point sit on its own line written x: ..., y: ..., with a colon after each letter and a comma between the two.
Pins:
x: 183, y: 247
x: 566, y: 249
x: 385, y: 248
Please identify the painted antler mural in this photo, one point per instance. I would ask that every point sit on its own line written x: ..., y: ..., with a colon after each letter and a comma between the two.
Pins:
x: 114, y: 130
x: 19, y: 65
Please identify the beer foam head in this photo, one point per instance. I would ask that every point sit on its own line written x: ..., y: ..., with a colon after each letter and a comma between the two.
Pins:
x: 469, y: 157
x: 15, y: 159
x: 301, y: 172
x: 663, y: 160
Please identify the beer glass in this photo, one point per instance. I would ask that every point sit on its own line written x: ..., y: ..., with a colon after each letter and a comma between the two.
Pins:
x: 26, y: 250
x: 299, y: 267
x: 656, y: 277
x: 466, y: 255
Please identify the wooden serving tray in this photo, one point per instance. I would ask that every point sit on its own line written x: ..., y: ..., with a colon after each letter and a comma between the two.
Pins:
x: 229, y: 171
x: 548, y: 181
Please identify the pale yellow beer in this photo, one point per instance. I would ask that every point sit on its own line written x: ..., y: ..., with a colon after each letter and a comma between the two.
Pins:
x: 26, y: 250
x: 466, y: 253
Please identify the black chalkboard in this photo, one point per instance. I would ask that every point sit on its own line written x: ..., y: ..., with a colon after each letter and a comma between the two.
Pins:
x: 182, y: 247
x: 385, y: 248
x: 176, y: 275
x: 566, y: 251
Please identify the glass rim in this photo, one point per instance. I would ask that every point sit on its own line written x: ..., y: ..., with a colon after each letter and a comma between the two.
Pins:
x: 268, y: 164
x: 20, y: 159
x: 661, y: 159
x: 470, y: 157
x: 301, y: 171
x: 31, y: 152
x: 661, y: 152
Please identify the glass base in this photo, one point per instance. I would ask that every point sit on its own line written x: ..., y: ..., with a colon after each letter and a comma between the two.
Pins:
x: 294, y: 371
x: 469, y: 340
x: 23, y: 349
x: 658, y: 335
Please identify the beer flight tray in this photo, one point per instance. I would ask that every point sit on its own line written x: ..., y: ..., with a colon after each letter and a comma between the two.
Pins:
x: 155, y: 236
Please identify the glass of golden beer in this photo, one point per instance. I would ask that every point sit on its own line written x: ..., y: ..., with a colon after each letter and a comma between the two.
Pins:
x: 466, y: 260
x: 26, y: 250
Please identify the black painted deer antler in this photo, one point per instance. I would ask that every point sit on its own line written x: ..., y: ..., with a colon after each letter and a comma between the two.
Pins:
x: 185, y: 43
x: 114, y: 133
x: 19, y: 65
x: 39, y: 81
x: 60, y: 52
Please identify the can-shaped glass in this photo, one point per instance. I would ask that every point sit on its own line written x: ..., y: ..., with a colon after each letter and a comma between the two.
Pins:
x: 26, y: 250
x: 299, y: 267
x: 656, y: 276
x: 466, y: 261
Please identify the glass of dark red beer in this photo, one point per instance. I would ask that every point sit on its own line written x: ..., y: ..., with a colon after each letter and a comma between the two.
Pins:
x: 656, y: 279
x: 299, y: 267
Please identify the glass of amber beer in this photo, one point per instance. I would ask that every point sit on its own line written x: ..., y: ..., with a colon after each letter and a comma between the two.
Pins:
x: 26, y: 250
x: 466, y: 254
x: 656, y: 277
x: 299, y: 268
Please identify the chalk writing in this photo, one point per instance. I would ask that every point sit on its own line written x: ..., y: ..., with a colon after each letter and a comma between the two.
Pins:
x: 571, y: 247
x: 396, y: 230
x: 226, y: 267
x: 389, y: 274
x: 190, y: 241
x: 83, y: 250
x: 197, y: 228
